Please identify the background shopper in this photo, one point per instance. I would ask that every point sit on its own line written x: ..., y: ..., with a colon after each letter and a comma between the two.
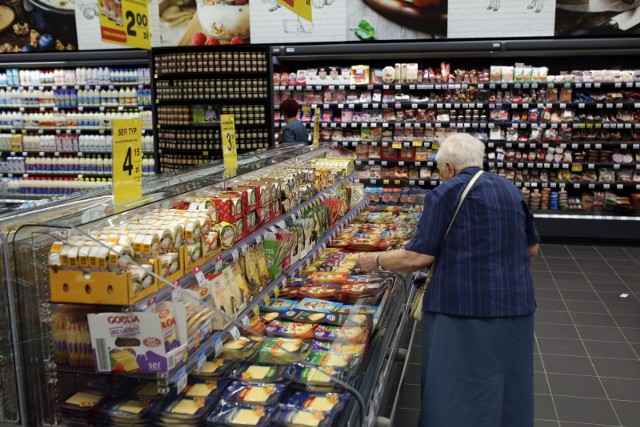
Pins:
x: 477, y: 330
x: 294, y: 131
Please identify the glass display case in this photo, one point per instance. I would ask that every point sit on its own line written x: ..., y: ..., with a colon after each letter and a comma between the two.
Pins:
x: 64, y: 307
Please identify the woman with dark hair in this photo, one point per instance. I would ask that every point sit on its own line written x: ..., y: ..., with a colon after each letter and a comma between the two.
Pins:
x: 294, y: 131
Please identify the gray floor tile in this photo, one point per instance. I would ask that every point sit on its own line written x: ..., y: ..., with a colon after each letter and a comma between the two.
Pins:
x: 628, y: 412
x: 539, y: 267
x: 618, y: 368
x: 544, y: 407
x: 596, y: 267
x: 540, y: 384
x: 537, y: 363
x: 618, y: 287
x: 547, y: 330
x: 550, y: 304
x: 636, y: 347
x: 548, y: 293
x: 601, y: 333
x: 568, y: 276
x: 565, y: 268
x: 544, y: 284
x: 625, y: 321
x: 630, y: 270
x: 537, y: 275
x: 570, y: 424
x: 618, y: 350
x: 410, y: 397
x: 617, y: 297
x: 579, y: 295
x: 603, y: 278
x: 632, y: 334
x: 592, y: 319
x: 629, y: 307
x: 576, y: 285
x: 545, y: 423
x: 567, y: 365
x: 561, y: 346
x: 576, y: 385
x: 577, y: 409
x: 622, y: 388
x: 407, y: 417
x: 586, y: 306
x: 553, y: 317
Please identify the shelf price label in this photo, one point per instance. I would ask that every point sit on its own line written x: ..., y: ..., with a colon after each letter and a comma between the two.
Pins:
x: 302, y: 8
x: 229, y: 148
x: 316, y: 127
x: 129, y: 27
x: 127, y: 159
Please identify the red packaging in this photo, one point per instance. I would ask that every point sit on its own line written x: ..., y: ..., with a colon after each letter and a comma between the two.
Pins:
x: 230, y: 207
x: 251, y: 221
x: 263, y: 192
x: 247, y: 194
x: 276, y: 209
x: 241, y: 229
x: 407, y: 153
x: 264, y: 214
x: 389, y: 153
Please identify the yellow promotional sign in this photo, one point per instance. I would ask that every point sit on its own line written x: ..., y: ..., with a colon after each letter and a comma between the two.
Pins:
x: 125, y: 22
x: 229, y: 149
x: 316, y: 128
x: 302, y: 8
x: 127, y: 159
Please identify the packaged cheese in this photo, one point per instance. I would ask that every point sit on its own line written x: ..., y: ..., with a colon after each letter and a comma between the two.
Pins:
x: 253, y: 372
x: 325, y: 402
x: 264, y: 394
x: 280, y: 328
x: 234, y: 415
x: 282, y: 350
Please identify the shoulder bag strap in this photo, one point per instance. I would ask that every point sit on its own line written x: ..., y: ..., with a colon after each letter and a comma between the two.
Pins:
x: 464, y: 195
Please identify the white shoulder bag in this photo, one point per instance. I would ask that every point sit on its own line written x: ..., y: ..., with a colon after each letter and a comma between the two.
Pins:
x: 416, y: 307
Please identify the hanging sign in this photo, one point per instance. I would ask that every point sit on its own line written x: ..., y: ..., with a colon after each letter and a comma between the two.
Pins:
x: 125, y: 22
x: 229, y: 148
x: 127, y: 159
x: 316, y: 128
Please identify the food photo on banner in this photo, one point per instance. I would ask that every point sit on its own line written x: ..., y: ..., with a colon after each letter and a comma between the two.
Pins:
x: 204, y: 22
x: 396, y: 19
x: 597, y: 17
x: 37, y: 26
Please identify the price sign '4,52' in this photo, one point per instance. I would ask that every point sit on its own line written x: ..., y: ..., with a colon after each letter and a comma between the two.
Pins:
x: 228, y: 133
x: 126, y: 23
x: 127, y: 159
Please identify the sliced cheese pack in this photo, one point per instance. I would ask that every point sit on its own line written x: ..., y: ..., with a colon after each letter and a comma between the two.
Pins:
x: 215, y: 368
x: 294, y: 417
x: 233, y: 415
x: 282, y: 350
x: 207, y: 389
x: 247, y: 393
x: 317, y: 378
x: 325, y: 402
x: 253, y: 372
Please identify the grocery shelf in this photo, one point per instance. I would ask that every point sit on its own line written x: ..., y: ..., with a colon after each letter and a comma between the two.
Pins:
x: 391, y: 104
x: 214, y: 341
x: 221, y: 100
x: 453, y: 86
x: 79, y: 86
x: 559, y: 104
x: 232, y: 252
x: 43, y: 153
x: 28, y: 174
x: 395, y: 162
x: 100, y: 108
x: 566, y: 144
x: 60, y: 130
x: 566, y: 125
x: 575, y: 167
x: 222, y: 74
x: 210, y: 126
x: 396, y: 125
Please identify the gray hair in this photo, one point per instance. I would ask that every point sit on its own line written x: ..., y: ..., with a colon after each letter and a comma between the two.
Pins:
x: 462, y: 150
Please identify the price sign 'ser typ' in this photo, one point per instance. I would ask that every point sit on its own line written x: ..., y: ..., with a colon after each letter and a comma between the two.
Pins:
x: 125, y: 22
x: 228, y: 133
x: 127, y: 159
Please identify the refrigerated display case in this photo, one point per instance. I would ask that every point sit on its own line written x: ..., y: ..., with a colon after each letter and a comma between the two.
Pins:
x: 53, y: 374
x: 559, y: 118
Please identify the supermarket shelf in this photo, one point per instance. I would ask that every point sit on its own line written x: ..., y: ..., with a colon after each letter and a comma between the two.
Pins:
x: 394, y: 144
x: 212, y: 126
x: 75, y: 107
x: 41, y: 153
x: 212, y: 74
x: 224, y: 101
x: 606, y: 216
x: 396, y: 125
x: 575, y: 167
x: 60, y: 130
x: 189, y: 278
x: 209, y: 345
x: 451, y: 86
x: 569, y: 125
x: 568, y: 144
x: 28, y: 174
x: 580, y: 185
x: 558, y: 104
x: 79, y: 86
x: 393, y: 104
x: 395, y: 162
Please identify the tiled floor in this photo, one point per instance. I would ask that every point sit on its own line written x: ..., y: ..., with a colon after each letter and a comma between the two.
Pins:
x: 587, y: 364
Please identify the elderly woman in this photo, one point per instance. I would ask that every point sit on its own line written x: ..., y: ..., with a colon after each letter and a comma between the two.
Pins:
x: 477, y: 329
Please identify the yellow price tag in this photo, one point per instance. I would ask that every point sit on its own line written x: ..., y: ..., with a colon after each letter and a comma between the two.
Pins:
x: 576, y: 168
x: 385, y: 181
x: 229, y: 148
x: 127, y: 23
x: 316, y: 128
x: 127, y: 159
x: 229, y: 173
x: 256, y: 310
x: 435, y: 146
x: 302, y: 8
x: 397, y: 145
x: 417, y: 143
x: 267, y: 300
x: 276, y: 291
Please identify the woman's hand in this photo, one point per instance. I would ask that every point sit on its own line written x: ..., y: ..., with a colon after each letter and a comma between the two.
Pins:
x: 367, y: 262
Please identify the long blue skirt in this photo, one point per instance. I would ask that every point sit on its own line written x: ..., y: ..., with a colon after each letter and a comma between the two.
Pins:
x: 477, y: 372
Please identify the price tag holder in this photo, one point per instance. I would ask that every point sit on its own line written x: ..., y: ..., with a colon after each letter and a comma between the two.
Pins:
x: 202, y: 359
x: 234, y: 332
x: 127, y: 159
x: 229, y: 146
x: 181, y: 379
x: 135, y: 31
x: 217, y: 345
x: 199, y: 275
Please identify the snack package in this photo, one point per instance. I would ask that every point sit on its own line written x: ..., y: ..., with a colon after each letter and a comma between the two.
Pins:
x: 207, y: 389
x: 313, y: 304
x: 286, y: 329
x: 252, y: 372
x: 325, y: 402
x: 234, y: 415
x: 293, y: 417
x: 264, y: 394
x: 215, y: 368
x: 308, y: 316
x: 282, y: 350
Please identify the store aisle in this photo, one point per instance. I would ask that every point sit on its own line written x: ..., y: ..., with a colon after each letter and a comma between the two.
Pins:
x: 587, y: 364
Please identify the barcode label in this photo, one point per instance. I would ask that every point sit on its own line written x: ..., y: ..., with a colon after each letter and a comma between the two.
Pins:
x: 171, y: 361
x: 102, y: 354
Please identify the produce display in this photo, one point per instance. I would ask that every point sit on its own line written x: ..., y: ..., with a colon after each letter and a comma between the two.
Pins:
x: 317, y: 330
x: 575, y: 132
